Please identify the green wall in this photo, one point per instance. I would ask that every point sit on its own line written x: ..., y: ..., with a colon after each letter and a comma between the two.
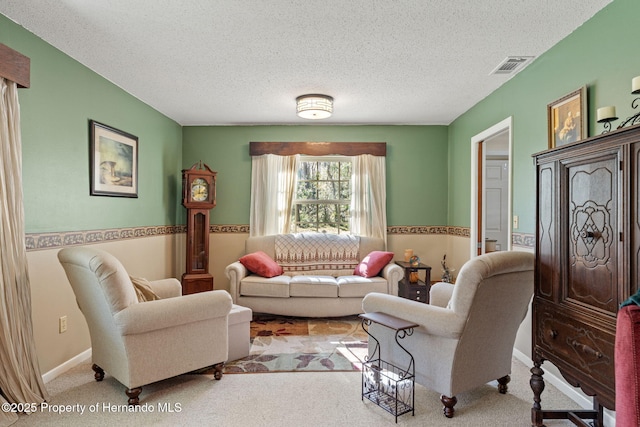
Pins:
x: 55, y: 113
x: 601, y: 54
x: 416, y: 165
x: 428, y: 170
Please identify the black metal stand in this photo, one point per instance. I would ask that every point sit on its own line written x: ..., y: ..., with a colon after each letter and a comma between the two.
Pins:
x: 383, y: 383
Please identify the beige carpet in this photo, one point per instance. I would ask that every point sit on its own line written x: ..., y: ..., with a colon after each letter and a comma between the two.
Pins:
x: 276, y: 399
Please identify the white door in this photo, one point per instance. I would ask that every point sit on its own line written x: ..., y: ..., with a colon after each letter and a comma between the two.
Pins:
x: 496, y: 202
x: 492, y: 143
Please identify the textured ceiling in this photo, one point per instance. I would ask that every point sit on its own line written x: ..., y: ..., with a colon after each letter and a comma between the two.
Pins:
x: 242, y: 62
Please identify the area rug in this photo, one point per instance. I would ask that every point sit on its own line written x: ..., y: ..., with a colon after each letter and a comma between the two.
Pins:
x: 290, y: 344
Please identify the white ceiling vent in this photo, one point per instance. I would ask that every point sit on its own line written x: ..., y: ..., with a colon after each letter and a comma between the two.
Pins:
x: 512, y: 64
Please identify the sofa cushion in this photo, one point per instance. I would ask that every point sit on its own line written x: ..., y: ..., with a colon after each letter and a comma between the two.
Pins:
x: 260, y: 263
x: 358, y: 286
x: 373, y: 263
x: 258, y: 286
x: 313, y: 286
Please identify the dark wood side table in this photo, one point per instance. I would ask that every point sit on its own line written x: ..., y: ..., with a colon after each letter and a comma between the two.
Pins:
x: 418, y: 291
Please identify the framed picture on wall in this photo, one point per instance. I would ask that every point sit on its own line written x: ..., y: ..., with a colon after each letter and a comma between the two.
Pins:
x: 567, y: 118
x: 114, y: 161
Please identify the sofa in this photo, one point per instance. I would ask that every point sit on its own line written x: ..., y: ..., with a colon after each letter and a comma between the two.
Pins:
x: 312, y: 274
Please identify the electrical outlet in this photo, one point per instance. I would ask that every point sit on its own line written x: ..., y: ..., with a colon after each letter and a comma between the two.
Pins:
x: 62, y: 323
x: 515, y: 222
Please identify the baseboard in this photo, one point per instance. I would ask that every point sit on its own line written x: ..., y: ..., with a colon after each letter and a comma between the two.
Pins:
x: 567, y: 389
x: 71, y: 363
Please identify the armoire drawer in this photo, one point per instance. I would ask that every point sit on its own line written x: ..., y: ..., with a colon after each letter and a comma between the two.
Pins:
x: 578, y: 344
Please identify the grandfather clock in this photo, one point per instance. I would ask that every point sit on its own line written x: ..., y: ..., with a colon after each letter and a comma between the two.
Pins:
x: 199, y: 197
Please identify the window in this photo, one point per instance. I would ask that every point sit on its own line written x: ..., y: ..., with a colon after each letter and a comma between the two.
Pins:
x: 342, y: 188
x: 322, y: 195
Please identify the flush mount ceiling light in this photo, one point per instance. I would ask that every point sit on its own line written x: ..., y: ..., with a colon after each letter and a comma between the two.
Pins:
x: 314, y: 106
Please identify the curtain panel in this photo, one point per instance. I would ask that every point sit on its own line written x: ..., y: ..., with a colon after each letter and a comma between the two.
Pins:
x: 273, y: 184
x: 369, y: 197
x: 20, y: 378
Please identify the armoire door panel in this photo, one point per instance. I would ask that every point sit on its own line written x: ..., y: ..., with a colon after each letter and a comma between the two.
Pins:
x: 547, y: 257
x: 593, y: 233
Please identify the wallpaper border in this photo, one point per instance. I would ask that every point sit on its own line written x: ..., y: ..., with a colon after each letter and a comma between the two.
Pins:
x: 36, y: 241
x: 40, y: 241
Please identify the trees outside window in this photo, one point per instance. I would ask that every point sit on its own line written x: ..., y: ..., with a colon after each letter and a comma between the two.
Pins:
x: 322, y: 195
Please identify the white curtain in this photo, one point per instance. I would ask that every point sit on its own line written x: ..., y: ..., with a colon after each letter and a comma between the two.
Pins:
x: 20, y: 378
x: 369, y: 197
x: 273, y: 183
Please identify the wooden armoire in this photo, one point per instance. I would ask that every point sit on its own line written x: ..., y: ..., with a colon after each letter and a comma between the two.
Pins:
x: 587, y: 258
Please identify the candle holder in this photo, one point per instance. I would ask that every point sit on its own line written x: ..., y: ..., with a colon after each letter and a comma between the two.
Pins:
x: 607, y: 123
x: 635, y: 119
x: 606, y: 115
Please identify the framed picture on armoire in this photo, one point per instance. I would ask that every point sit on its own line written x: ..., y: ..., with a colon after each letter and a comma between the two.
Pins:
x: 567, y: 118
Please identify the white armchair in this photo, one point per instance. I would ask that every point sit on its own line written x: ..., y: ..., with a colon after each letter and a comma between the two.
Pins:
x: 467, y: 332
x: 140, y: 343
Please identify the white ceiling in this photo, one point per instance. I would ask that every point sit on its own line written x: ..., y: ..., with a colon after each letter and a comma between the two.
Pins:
x: 243, y: 62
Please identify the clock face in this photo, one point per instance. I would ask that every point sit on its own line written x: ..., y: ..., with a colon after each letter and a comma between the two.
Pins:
x: 199, y: 190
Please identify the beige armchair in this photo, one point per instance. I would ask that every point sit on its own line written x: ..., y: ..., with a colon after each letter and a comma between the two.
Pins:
x: 141, y: 343
x: 467, y: 332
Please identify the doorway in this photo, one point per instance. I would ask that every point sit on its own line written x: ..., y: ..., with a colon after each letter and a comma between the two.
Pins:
x: 491, y: 176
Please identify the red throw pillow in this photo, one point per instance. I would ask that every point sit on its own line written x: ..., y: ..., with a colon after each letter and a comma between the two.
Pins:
x: 260, y: 263
x: 372, y: 264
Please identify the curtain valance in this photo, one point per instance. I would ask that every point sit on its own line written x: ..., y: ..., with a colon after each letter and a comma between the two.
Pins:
x: 318, y: 148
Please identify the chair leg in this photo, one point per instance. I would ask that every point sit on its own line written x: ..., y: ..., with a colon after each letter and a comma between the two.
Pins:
x: 217, y: 370
x: 449, y: 403
x: 99, y: 372
x: 133, y: 394
x: 502, y: 384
